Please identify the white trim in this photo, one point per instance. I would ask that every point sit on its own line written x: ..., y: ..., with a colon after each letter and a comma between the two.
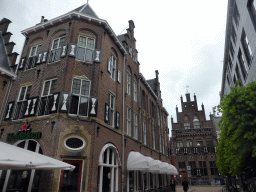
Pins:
x: 74, y: 13
x: 75, y: 149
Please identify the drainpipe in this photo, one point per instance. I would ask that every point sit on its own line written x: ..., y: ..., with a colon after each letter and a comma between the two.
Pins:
x: 123, y: 127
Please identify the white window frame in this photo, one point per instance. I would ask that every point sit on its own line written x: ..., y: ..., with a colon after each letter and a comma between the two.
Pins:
x: 58, y: 45
x: 135, y: 91
x: 112, y: 109
x: 49, y: 93
x: 129, y: 83
x: 85, y: 47
x: 22, y: 100
x: 80, y: 95
x: 37, y: 50
x: 114, y: 167
x: 113, y: 67
x: 129, y: 121
x: 144, y: 133
x: 135, y: 126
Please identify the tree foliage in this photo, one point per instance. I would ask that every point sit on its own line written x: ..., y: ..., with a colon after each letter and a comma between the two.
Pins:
x: 236, y: 149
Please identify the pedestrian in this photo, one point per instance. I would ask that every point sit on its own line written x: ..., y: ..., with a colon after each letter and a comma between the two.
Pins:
x: 185, y: 185
x: 173, y: 184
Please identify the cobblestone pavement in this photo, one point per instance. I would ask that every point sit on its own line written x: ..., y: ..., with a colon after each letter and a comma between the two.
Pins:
x: 206, y: 188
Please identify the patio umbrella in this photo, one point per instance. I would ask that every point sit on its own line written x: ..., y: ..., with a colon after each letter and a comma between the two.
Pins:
x: 12, y: 157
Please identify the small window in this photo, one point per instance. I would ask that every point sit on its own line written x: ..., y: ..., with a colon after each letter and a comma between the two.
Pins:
x: 56, y: 49
x: 196, y: 123
x: 199, y: 143
x: 85, y: 49
x: 189, y: 143
x: 74, y: 143
x: 179, y: 144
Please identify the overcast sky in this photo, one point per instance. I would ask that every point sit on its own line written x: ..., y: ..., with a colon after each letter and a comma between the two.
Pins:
x: 183, y: 40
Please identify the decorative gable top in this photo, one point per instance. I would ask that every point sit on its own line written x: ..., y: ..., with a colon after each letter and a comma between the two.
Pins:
x: 86, y: 9
x: 4, y: 61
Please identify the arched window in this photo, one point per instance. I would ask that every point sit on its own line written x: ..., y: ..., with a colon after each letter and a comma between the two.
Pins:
x: 196, y: 122
x: 108, y: 169
x: 189, y: 143
x: 186, y: 123
x: 22, y: 180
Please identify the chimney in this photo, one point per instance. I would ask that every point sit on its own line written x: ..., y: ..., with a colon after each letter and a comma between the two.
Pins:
x: 194, y: 97
x: 4, y: 23
x: 157, y: 73
x: 42, y: 19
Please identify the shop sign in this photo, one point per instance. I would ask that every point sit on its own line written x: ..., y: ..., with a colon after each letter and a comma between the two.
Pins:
x: 23, y: 134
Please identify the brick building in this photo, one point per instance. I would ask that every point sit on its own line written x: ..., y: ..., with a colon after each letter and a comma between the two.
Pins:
x: 80, y: 94
x: 7, y: 65
x: 240, y: 44
x: 194, y: 140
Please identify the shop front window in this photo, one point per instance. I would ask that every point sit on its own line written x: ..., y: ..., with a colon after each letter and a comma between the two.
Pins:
x: 22, y: 180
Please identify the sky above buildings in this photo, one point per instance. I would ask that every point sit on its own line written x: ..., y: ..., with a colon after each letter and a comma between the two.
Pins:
x: 183, y: 40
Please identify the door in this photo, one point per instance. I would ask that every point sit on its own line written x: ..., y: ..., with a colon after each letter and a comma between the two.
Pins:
x: 70, y: 181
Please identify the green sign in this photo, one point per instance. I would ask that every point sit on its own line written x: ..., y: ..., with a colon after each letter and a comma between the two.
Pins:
x: 23, y: 136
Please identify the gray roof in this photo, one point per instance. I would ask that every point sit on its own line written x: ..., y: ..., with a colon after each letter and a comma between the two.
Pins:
x: 121, y: 38
x: 86, y: 9
x: 4, y: 62
x: 152, y: 84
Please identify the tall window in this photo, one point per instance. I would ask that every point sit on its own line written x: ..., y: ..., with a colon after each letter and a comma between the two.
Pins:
x: 243, y: 65
x: 108, y: 169
x: 192, y: 165
x: 247, y: 48
x: 135, y: 126
x: 85, y: 49
x: 135, y: 91
x: 196, y: 123
x: 144, y: 133
x: 111, y: 109
x: 189, y: 143
x: 32, y: 56
x: 22, y: 102
x: 186, y: 123
x: 56, y: 49
x: 129, y: 121
x: 112, y: 63
x: 160, y: 143
x: 47, y: 100
x: 202, y: 169
x: 179, y: 144
x: 154, y: 139
x: 214, y: 169
x: 80, y: 97
x: 129, y: 83
x: 22, y: 180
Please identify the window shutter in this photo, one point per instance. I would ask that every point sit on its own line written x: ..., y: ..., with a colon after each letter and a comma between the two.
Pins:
x: 33, y: 104
x: 89, y: 56
x: 9, y: 110
x: 44, y: 57
x: 39, y: 58
x: 109, y: 65
x: 52, y: 56
x: 57, y: 54
x: 22, y: 63
x: 119, y: 76
x: 42, y: 105
x: 106, y: 113
x: 53, y: 103
x: 64, y: 51
x: 64, y: 101
x: 117, y: 120
x: 72, y: 49
x: 80, y: 53
x: 97, y: 55
x: 23, y: 109
x: 31, y: 62
x: 93, y: 107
